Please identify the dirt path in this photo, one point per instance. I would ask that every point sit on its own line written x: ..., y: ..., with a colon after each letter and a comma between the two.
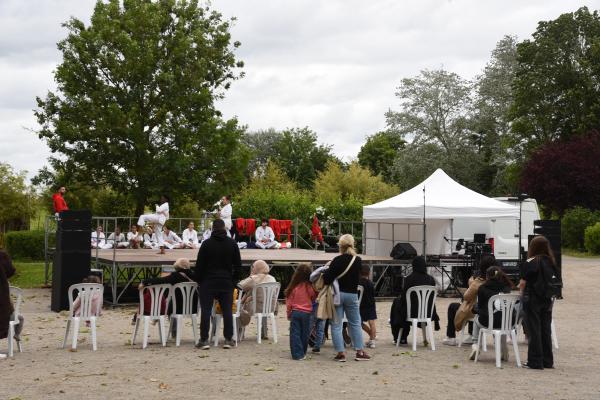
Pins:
x: 264, y: 371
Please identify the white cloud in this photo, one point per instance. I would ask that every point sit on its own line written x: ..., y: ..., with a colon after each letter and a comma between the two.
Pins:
x: 330, y: 65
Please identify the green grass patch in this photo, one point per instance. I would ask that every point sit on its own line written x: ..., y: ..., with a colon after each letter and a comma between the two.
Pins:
x: 29, y: 274
x: 578, y: 253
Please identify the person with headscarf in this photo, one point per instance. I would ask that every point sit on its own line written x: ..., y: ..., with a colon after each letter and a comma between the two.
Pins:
x: 259, y: 273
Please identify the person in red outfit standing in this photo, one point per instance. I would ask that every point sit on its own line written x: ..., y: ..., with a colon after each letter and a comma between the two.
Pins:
x: 59, y: 202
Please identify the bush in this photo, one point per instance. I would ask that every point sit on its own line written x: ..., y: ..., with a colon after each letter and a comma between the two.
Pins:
x: 25, y: 244
x: 592, y: 238
x: 573, y: 226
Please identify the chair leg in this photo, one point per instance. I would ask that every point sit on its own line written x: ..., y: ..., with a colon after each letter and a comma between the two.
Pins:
x: 161, y: 330
x: 484, y: 342
x: 216, y: 329
x: 67, y: 333
x: 11, y: 333
x: 398, y: 338
x: 75, y: 332
x: 513, y: 335
x: 179, y: 320
x: 553, y: 333
x: 195, y: 327
x: 235, y: 331
x: 414, y: 333
x: 497, y: 348
x: 93, y: 326
x: 146, y: 328
x: 431, y: 338
x: 135, y: 331
x: 479, y: 339
x: 462, y: 335
x: 259, y: 328
x: 425, y: 334
x: 274, y: 325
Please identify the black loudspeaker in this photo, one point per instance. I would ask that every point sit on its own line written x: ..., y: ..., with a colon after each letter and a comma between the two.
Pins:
x: 403, y: 251
x: 551, y: 230
x: 72, y: 257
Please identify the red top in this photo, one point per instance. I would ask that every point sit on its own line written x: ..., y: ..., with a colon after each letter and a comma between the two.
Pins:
x: 59, y: 203
x: 301, y: 299
x: 315, y: 230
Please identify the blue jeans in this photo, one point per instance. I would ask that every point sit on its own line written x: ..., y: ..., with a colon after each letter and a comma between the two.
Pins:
x: 319, y: 325
x: 348, y: 305
x: 299, y: 331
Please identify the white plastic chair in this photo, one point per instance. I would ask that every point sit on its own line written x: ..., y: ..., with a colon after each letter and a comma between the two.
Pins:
x: 85, y: 293
x: 187, y: 290
x: 507, y: 306
x: 424, y: 313
x: 216, y: 319
x: 461, y: 338
x: 270, y: 293
x: 18, y: 294
x: 157, y: 293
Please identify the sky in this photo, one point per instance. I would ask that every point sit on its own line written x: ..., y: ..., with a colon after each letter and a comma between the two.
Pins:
x: 333, y: 65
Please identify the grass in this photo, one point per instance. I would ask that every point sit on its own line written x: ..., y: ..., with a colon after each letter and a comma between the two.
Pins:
x: 578, y: 253
x: 29, y: 274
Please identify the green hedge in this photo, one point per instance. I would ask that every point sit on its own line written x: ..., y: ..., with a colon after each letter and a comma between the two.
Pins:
x: 573, y: 225
x: 592, y: 238
x: 22, y: 245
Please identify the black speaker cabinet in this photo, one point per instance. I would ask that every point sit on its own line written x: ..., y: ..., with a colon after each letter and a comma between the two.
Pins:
x: 552, y: 231
x: 72, y: 257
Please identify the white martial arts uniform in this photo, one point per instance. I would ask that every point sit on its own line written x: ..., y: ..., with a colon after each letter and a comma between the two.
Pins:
x: 135, y: 237
x: 150, y: 241
x: 265, y: 233
x: 190, y: 239
x: 158, y: 219
x: 225, y: 215
x: 172, y: 241
x: 118, y: 241
x: 99, y: 242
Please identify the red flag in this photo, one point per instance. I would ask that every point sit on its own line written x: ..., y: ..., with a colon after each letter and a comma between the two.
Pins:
x: 316, y: 229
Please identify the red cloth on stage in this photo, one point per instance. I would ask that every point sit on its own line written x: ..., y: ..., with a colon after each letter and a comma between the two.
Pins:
x: 240, y: 224
x: 250, y: 227
x: 274, y: 224
x: 316, y: 229
x: 285, y: 227
x: 59, y: 203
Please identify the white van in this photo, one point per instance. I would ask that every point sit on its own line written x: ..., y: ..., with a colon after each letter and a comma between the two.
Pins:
x: 502, y: 234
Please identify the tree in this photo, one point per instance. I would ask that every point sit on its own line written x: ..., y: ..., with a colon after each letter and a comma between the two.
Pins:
x: 134, y: 108
x: 435, y: 107
x: 17, y: 199
x: 379, y: 152
x: 564, y: 174
x: 556, y: 93
x: 262, y: 148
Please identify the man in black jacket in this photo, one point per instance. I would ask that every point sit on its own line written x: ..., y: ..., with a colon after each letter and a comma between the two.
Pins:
x: 217, y: 265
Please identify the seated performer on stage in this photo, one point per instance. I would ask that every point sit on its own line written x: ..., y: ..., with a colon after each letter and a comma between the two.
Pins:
x: 150, y: 239
x: 135, y: 238
x: 265, y: 238
x: 117, y: 239
x: 158, y: 219
x: 99, y: 240
x: 172, y: 241
x: 190, y: 237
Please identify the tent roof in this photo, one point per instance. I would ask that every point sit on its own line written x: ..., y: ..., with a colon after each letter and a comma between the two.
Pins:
x: 444, y: 199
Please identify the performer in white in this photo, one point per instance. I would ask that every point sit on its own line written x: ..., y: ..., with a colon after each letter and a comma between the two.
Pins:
x: 134, y: 237
x: 172, y: 241
x: 190, y: 237
x: 265, y: 237
x: 117, y: 239
x: 158, y: 219
x: 150, y: 239
x: 99, y: 240
x: 226, y: 211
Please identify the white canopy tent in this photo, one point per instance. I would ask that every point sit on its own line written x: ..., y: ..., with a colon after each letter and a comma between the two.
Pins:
x: 440, y: 200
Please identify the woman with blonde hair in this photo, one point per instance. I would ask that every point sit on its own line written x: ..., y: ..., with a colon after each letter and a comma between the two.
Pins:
x: 346, y: 269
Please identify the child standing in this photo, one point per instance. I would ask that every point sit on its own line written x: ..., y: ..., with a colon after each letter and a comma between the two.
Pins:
x: 368, y: 311
x: 299, y: 298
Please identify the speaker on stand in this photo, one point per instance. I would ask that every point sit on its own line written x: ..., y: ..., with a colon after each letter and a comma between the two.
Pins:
x: 551, y: 230
x: 72, y: 257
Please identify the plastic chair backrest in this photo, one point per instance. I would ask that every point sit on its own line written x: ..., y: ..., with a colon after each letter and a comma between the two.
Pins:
x: 507, y: 306
x: 238, y: 303
x: 361, y: 291
x: 85, y: 294
x: 270, y: 293
x: 18, y: 294
x: 157, y: 294
x: 424, y: 295
x: 187, y: 289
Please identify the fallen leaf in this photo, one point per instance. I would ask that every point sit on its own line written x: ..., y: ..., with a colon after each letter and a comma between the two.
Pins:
x: 163, y: 386
x: 153, y: 380
x: 375, y: 372
x: 269, y: 369
x: 455, y: 366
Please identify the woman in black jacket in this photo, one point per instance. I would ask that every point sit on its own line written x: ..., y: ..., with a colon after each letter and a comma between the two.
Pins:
x: 496, y: 282
x: 537, y: 306
x: 418, y: 277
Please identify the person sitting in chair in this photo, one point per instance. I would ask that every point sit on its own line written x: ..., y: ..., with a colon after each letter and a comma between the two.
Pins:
x: 259, y: 273
x: 265, y: 237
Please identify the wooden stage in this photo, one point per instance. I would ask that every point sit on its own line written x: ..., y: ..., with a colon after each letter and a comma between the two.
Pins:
x: 151, y: 257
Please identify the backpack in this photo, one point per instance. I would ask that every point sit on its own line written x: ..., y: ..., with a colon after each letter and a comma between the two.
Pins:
x: 548, y: 283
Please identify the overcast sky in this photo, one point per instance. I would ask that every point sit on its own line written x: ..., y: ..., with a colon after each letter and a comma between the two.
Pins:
x: 330, y: 65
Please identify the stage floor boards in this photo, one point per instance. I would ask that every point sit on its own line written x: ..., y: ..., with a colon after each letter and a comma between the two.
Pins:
x: 151, y: 257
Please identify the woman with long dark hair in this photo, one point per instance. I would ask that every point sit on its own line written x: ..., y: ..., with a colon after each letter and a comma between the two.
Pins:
x: 537, y: 306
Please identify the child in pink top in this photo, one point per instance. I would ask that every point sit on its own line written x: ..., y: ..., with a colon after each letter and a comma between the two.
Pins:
x: 299, y: 297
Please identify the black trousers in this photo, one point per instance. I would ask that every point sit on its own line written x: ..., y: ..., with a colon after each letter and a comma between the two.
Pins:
x: 538, y: 319
x: 450, y: 330
x: 208, y: 294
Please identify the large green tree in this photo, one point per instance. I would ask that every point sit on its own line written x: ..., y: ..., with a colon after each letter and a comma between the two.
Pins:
x: 380, y: 151
x: 556, y: 89
x: 16, y: 199
x: 134, y: 107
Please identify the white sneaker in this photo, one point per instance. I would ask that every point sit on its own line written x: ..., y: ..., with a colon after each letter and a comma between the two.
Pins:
x: 449, y: 341
x: 371, y: 344
x: 2, y: 355
x: 468, y: 339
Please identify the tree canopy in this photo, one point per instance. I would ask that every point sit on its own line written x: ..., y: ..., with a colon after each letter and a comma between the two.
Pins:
x: 16, y: 206
x: 134, y: 108
x: 380, y: 151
